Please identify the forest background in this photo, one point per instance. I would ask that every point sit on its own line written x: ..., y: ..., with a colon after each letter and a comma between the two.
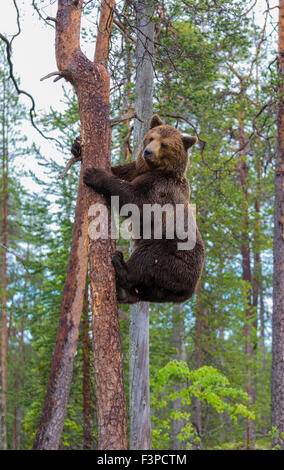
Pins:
x: 215, y: 75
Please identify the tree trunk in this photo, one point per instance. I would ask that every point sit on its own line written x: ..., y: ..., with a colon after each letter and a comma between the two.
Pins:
x: 111, y: 402
x: 91, y: 83
x: 249, y: 327
x: 4, y: 240
x: 127, y: 90
x: 197, y: 404
x: 277, y: 376
x: 179, y: 344
x: 87, y: 436
x: 257, y: 284
x: 139, y: 406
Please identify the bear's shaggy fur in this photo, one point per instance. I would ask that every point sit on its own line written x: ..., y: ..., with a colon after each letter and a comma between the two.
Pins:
x: 157, y: 270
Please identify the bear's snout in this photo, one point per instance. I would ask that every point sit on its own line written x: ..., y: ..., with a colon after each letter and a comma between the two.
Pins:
x: 147, y: 154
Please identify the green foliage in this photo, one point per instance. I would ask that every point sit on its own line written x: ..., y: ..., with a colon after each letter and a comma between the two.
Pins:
x: 260, y: 444
x: 176, y: 381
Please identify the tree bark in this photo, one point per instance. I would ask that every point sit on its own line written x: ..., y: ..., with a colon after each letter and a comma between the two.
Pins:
x: 139, y: 406
x: 87, y: 436
x: 91, y: 83
x: 4, y: 333
x: 277, y: 376
x: 197, y: 404
x: 257, y: 284
x: 179, y: 344
x: 249, y: 327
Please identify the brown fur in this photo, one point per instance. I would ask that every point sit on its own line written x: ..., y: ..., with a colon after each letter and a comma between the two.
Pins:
x: 156, y: 271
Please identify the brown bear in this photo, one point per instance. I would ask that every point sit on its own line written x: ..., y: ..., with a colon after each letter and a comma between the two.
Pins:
x: 157, y: 270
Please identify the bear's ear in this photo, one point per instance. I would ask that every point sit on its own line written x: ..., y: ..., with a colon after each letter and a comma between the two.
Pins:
x: 155, y: 121
x: 189, y: 141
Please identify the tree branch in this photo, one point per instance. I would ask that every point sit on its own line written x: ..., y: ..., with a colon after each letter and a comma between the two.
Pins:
x: 52, y: 74
x: 179, y: 117
x: 32, y: 112
x: 69, y: 164
x: 122, y: 28
x: 125, y: 117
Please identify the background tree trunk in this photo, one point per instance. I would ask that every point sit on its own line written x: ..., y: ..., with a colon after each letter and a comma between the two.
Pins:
x: 4, y: 240
x: 139, y: 406
x: 179, y: 344
x: 91, y: 83
x: 197, y: 404
x: 249, y: 326
x: 277, y: 376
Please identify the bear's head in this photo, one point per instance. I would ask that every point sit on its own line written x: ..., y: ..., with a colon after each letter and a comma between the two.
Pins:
x: 164, y: 148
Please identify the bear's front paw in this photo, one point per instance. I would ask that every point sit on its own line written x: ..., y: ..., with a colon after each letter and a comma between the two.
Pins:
x: 89, y: 176
x: 76, y: 147
x: 117, y: 256
x: 95, y: 177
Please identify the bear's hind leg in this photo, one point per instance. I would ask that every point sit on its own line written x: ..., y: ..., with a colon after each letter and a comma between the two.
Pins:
x: 123, y: 277
x: 124, y: 296
x: 160, y: 295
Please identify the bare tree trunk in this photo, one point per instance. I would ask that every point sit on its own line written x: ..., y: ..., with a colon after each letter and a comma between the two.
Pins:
x: 179, y: 343
x: 277, y: 377
x: 91, y: 82
x: 139, y: 406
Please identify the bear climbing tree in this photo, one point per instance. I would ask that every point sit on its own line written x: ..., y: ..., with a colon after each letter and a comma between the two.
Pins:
x: 158, y: 270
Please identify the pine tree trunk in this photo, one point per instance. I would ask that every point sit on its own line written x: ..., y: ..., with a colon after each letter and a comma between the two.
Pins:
x: 91, y: 83
x: 127, y: 91
x: 87, y: 436
x: 139, y: 405
x: 197, y: 404
x: 257, y: 284
x: 277, y: 376
x: 249, y: 333
x: 4, y: 240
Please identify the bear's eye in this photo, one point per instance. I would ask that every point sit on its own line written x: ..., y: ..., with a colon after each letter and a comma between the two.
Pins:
x: 151, y: 138
x: 163, y: 145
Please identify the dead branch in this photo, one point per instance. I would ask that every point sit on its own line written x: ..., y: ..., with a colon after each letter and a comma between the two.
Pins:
x: 18, y: 23
x: 69, y: 164
x: 117, y: 85
x: 8, y: 43
x: 125, y: 117
x: 271, y: 8
x: 250, y: 8
x: 32, y: 112
x: 123, y: 29
x: 40, y: 15
x: 127, y: 139
x: 52, y: 74
x: 50, y: 18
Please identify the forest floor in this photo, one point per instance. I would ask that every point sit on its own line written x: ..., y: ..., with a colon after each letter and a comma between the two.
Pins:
x: 260, y: 444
